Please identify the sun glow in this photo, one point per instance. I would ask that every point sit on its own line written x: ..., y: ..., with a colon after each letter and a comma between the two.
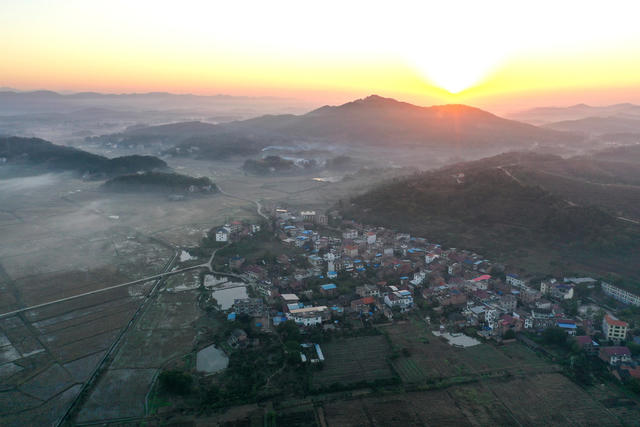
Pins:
x: 412, y: 50
x: 454, y: 66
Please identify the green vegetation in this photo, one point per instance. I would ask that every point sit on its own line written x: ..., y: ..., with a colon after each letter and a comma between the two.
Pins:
x: 219, y: 146
x: 269, y: 165
x: 44, y: 154
x: 176, y: 382
x: 160, y: 182
x: 489, y: 211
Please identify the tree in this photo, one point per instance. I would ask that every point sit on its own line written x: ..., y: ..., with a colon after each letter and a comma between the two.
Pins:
x: 509, y: 335
x: 176, y: 382
x: 554, y: 336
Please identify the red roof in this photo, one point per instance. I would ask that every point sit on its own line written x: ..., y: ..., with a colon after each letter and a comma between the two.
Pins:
x: 481, y: 278
x: 616, y: 351
x: 584, y: 340
x: 615, y: 322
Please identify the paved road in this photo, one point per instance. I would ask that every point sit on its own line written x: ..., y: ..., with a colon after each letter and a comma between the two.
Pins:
x: 208, y: 265
x: 256, y: 202
x: 134, y: 282
x: 106, y: 360
x: 569, y: 202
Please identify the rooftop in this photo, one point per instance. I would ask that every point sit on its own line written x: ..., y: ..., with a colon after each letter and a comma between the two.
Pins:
x: 615, y: 322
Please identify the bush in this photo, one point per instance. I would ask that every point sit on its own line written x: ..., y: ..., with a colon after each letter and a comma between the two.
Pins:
x: 176, y: 382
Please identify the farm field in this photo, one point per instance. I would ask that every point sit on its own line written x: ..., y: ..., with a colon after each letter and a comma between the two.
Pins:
x: 425, y: 356
x: 164, y: 332
x: 353, y: 360
x: 551, y: 400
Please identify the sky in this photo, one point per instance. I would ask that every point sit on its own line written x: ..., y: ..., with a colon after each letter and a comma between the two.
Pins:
x: 499, y: 55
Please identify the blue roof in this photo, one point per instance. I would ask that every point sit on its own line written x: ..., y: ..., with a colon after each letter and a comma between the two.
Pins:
x: 361, y: 269
x: 404, y: 278
x: 231, y: 316
x: 567, y: 325
x: 328, y: 286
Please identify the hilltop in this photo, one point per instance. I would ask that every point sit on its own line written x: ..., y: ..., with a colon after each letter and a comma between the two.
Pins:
x: 160, y: 182
x: 369, y: 122
x: 41, y: 154
x: 485, y: 206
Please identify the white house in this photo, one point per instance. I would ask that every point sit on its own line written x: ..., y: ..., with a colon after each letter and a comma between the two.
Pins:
x: 309, y: 316
x: 613, y: 328
x: 222, y: 235
x: 430, y: 257
x: 418, y: 278
x: 350, y: 234
x: 620, y: 294
x: 514, y: 280
x: 402, y: 299
x: 371, y: 238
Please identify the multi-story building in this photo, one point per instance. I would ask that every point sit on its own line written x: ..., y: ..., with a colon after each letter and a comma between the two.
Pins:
x: 516, y: 281
x: 253, y: 307
x: 350, y: 234
x: 402, y: 299
x: 614, y: 329
x: 620, y: 294
x: 309, y: 316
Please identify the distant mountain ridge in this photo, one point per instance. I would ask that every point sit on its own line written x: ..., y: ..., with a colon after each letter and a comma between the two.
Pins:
x: 371, y: 121
x: 599, y: 125
x: 381, y: 120
x: 547, y: 115
x: 47, y: 101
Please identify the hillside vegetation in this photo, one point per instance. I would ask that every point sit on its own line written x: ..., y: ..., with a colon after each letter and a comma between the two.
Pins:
x: 160, y: 182
x: 482, y: 206
x: 48, y: 156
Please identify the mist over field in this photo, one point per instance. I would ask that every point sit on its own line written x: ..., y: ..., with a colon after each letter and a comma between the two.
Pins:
x: 279, y: 214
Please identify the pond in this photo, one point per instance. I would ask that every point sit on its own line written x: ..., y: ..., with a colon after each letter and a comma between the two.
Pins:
x: 225, y: 289
x: 458, y: 340
x: 211, y: 360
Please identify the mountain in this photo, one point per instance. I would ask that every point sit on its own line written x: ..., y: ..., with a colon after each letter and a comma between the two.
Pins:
x: 45, y: 101
x: 385, y: 121
x: 545, y: 115
x: 492, y: 206
x: 599, y: 125
x: 160, y: 182
x: 372, y: 121
x: 40, y: 154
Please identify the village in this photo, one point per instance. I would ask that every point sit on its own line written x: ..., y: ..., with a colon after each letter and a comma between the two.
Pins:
x: 349, y: 275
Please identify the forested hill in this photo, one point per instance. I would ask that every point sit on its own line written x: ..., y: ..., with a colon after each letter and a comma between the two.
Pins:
x: 160, y: 182
x: 45, y: 155
x: 481, y: 206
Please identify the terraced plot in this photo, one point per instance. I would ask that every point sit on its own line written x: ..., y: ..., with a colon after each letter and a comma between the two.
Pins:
x: 353, y: 360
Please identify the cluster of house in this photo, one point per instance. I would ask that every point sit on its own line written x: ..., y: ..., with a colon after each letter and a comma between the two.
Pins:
x: 234, y: 231
x: 391, y: 268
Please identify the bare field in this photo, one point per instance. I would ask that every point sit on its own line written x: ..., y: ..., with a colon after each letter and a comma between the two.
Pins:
x: 165, y: 332
x: 352, y: 360
x: 546, y: 399
x: 431, y: 357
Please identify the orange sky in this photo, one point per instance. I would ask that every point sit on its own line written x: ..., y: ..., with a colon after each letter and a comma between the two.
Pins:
x: 493, y: 54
